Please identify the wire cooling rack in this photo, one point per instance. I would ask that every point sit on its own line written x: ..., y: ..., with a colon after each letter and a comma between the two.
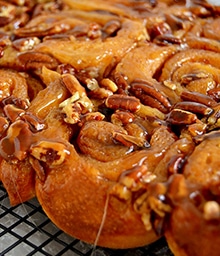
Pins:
x: 25, y: 230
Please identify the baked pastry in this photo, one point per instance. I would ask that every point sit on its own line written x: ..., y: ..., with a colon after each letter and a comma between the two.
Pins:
x: 110, y: 117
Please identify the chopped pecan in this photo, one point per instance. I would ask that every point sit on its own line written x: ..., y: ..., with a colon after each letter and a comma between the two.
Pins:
x: 129, y: 140
x: 122, y: 117
x: 44, y: 25
x: 93, y: 116
x: 137, y: 130
x: 74, y: 106
x: 94, y: 31
x: 65, y: 69
x: 25, y: 44
x: 100, y: 93
x: 150, y: 101
x: 92, y: 84
x: 51, y: 152
x: 136, y: 135
x: 109, y: 84
x: 133, y: 179
x: 96, y: 91
x: 158, y: 29
x: 121, y: 82
x: 197, y: 128
x: 152, y: 203
x: 125, y: 139
x: 35, y: 163
x: 47, y: 7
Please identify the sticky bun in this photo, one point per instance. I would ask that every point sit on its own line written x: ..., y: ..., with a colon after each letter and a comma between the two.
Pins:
x: 109, y: 115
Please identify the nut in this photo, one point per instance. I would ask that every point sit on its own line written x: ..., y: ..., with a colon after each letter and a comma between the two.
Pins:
x: 51, y: 152
x: 149, y: 95
x: 72, y: 84
x: 195, y: 107
x: 122, y: 117
x: 109, y: 84
x: 198, y: 97
x: 211, y: 210
x: 181, y: 117
x: 124, y: 102
x: 74, y: 106
x: 25, y: 44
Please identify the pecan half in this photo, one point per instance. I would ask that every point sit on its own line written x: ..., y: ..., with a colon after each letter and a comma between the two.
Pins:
x: 150, y: 95
x: 198, y: 97
x: 194, y: 107
x: 125, y: 102
x: 181, y: 117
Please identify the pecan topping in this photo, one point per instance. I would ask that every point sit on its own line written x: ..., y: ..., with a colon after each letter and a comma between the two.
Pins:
x: 129, y: 140
x: 214, y: 94
x: 181, y: 117
x: 72, y: 84
x: 75, y: 106
x: 51, y: 152
x: 124, y: 102
x: 25, y: 44
x: 167, y: 39
x: 109, y: 84
x: 150, y: 95
x: 122, y: 117
x: 198, y: 97
x: 194, y: 107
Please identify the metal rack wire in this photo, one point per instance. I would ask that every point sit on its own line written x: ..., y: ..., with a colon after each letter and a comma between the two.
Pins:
x: 26, y: 230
